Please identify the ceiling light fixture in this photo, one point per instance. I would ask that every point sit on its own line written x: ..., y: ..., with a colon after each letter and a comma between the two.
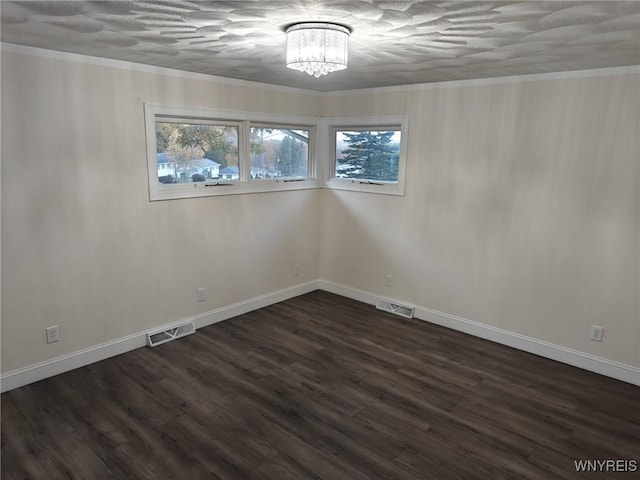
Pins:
x: 317, y: 48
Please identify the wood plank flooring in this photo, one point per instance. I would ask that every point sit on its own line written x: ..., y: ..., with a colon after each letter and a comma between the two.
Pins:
x: 320, y: 387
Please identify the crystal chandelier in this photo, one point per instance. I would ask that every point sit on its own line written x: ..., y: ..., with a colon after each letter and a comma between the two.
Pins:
x: 317, y: 48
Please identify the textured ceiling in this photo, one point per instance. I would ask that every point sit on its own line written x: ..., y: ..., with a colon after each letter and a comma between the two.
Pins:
x: 393, y: 42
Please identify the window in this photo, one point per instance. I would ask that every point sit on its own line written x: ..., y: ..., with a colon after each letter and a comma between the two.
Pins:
x: 195, y: 152
x: 367, y: 154
x: 279, y: 152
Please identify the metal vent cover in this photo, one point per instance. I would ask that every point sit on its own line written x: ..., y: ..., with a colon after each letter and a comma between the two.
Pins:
x: 166, y: 335
x: 395, y: 308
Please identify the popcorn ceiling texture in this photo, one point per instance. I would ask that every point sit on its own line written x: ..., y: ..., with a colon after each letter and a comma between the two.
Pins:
x: 393, y: 42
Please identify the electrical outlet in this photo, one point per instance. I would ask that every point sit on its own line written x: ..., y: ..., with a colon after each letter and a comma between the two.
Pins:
x: 202, y: 295
x: 296, y: 269
x: 387, y: 280
x: 53, y: 334
x: 596, y: 333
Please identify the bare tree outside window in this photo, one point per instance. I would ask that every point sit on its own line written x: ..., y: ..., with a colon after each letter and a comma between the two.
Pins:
x: 191, y: 152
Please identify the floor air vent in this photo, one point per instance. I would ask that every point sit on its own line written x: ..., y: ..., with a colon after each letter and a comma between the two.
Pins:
x: 168, y: 334
x: 396, y: 308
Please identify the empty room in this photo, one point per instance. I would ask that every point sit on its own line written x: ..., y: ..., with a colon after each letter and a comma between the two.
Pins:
x: 320, y: 239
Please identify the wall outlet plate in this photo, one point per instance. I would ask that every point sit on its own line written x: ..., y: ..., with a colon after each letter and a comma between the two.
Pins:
x: 597, y: 333
x: 202, y: 294
x: 53, y: 334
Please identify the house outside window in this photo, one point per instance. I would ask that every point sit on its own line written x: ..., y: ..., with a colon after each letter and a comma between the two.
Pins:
x: 195, y: 152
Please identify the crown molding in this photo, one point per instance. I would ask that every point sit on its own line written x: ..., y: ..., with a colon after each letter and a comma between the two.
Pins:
x: 532, y: 77
x: 143, y: 68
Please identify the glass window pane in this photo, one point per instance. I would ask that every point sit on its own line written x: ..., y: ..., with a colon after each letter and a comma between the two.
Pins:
x: 279, y: 152
x: 196, y: 152
x: 368, y: 154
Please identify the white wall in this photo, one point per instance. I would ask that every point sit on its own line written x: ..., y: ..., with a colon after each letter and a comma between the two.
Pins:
x: 521, y: 209
x: 82, y: 246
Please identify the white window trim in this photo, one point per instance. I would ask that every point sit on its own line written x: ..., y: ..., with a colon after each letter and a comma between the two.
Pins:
x: 311, y: 149
x: 329, y: 124
x: 244, y: 120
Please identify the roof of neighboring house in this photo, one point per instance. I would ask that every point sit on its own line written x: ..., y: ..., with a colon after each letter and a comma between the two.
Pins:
x: 229, y: 170
x: 209, y: 163
x: 164, y: 157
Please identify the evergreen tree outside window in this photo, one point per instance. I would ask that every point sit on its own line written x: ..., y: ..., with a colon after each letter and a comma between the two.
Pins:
x: 292, y: 157
x: 368, y: 154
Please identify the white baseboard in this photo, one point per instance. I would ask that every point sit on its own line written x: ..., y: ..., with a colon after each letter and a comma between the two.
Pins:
x: 230, y: 311
x: 576, y: 358
x: 71, y: 361
x: 87, y: 356
x: 56, y: 366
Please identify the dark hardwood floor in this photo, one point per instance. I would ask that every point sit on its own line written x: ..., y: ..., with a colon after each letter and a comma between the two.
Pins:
x: 320, y: 387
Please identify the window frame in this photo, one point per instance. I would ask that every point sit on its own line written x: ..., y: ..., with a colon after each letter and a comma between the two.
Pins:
x: 387, y: 122
x: 244, y: 120
x: 200, y: 121
x: 311, y: 147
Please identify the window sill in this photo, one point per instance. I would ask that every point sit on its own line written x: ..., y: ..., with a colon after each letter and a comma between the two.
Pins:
x: 216, y: 188
x: 365, y: 186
